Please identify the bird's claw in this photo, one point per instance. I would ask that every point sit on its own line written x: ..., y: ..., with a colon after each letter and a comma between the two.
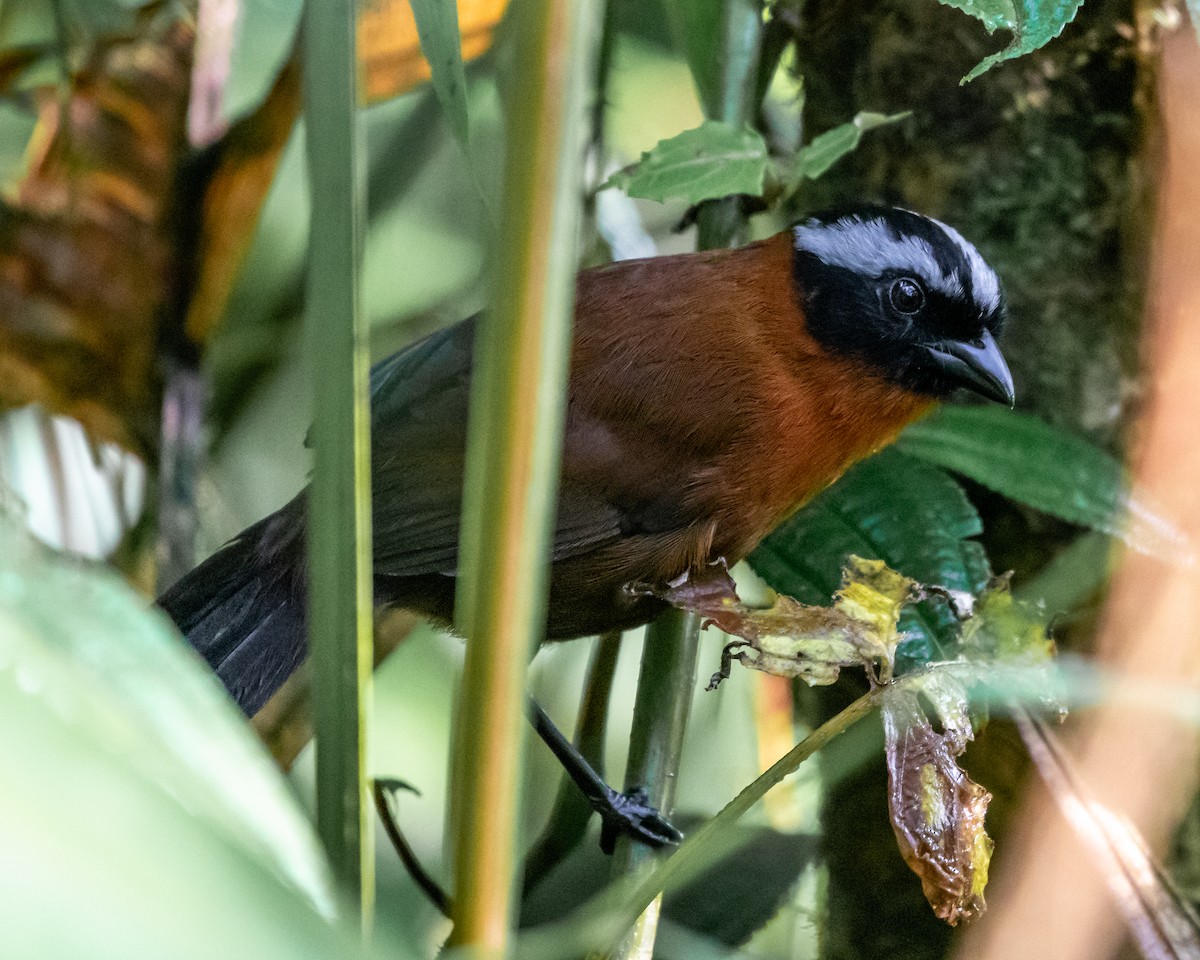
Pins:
x: 630, y: 813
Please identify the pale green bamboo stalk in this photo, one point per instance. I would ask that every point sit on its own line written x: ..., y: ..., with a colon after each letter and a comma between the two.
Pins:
x: 515, y: 439
x: 339, y: 528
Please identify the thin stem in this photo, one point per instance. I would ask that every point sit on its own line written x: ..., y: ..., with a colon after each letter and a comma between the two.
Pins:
x: 721, y: 223
x: 421, y: 877
x: 693, y: 855
x: 660, y: 714
x: 620, y: 905
x: 515, y: 438
x: 339, y: 534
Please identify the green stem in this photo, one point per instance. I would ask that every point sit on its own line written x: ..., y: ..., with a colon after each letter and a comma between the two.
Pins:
x: 615, y: 910
x: 515, y: 438
x: 694, y: 854
x: 660, y: 713
x: 339, y: 529
x: 721, y: 223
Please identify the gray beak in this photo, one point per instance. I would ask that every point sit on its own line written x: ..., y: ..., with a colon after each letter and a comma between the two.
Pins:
x: 978, y: 366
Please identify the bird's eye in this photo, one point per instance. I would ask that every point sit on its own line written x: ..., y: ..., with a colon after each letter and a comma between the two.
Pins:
x: 906, y: 295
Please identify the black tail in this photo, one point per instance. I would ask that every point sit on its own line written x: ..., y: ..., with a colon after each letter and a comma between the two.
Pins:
x: 242, y: 609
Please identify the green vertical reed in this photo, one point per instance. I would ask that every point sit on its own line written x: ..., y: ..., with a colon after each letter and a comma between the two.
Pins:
x: 515, y: 438
x: 339, y: 535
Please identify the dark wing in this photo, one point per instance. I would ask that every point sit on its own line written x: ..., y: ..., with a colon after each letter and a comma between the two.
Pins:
x: 419, y: 400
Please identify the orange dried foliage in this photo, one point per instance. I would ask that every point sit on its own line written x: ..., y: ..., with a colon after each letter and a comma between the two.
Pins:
x: 88, y: 262
x: 391, y: 52
x: 86, y: 251
x: 233, y: 198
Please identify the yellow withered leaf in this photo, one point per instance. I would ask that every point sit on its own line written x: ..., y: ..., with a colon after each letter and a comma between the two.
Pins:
x: 793, y: 639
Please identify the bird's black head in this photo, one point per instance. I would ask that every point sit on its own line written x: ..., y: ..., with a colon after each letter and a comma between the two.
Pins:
x: 907, y: 294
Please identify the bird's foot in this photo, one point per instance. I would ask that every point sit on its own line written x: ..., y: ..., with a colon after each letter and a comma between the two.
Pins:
x: 631, y: 813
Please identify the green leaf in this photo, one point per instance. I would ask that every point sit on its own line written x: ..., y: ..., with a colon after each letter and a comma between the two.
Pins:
x: 1029, y: 461
x: 827, y: 149
x: 437, y: 28
x: 1005, y: 628
x: 707, y: 162
x: 1193, y: 7
x: 894, y: 508
x: 140, y: 818
x: 1076, y: 573
x: 1035, y: 23
x: 696, y: 25
x: 992, y: 14
x: 264, y: 39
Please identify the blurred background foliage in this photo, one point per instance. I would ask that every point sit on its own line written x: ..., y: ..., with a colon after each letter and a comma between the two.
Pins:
x: 132, y: 257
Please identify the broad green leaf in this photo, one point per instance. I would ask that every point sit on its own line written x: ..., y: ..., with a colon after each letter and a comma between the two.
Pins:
x: 1035, y: 23
x: 1029, y: 461
x: 140, y: 817
x: 893, y: 508
x: 827, y: 149
x: 437, y: 27
x: 709, y: 161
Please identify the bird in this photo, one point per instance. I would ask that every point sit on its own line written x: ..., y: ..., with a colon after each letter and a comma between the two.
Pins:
x: 710, y: 395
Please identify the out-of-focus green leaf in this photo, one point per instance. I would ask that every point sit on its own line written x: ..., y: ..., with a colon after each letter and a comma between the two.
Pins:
x: 1075, y: 573
x: 1034, y: 24
x: 32, y: 23
x: 437, y: 27
x: 31, y: 48
x: 825, y: 150
x: 894, y: 508
x: 992, y: 14
x: 140, y: 818
x: 750, y: 876
x: 707, y: 162
x: 266, y: 33
x: 1194, y: 10
x: 1029, y: 461
x: 697, y: 28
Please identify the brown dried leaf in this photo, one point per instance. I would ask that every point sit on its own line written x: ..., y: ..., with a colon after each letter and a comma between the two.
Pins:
x: 87, y: 253
x: 792, y: 639
x: 391, y: 59
x: 937, y: 811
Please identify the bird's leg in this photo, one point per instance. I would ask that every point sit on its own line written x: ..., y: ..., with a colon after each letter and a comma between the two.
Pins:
x: 627, y: 813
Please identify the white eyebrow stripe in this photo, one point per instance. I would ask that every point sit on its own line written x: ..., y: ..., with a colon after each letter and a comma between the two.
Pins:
x: 861, y: 245
x: 985, y: 285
